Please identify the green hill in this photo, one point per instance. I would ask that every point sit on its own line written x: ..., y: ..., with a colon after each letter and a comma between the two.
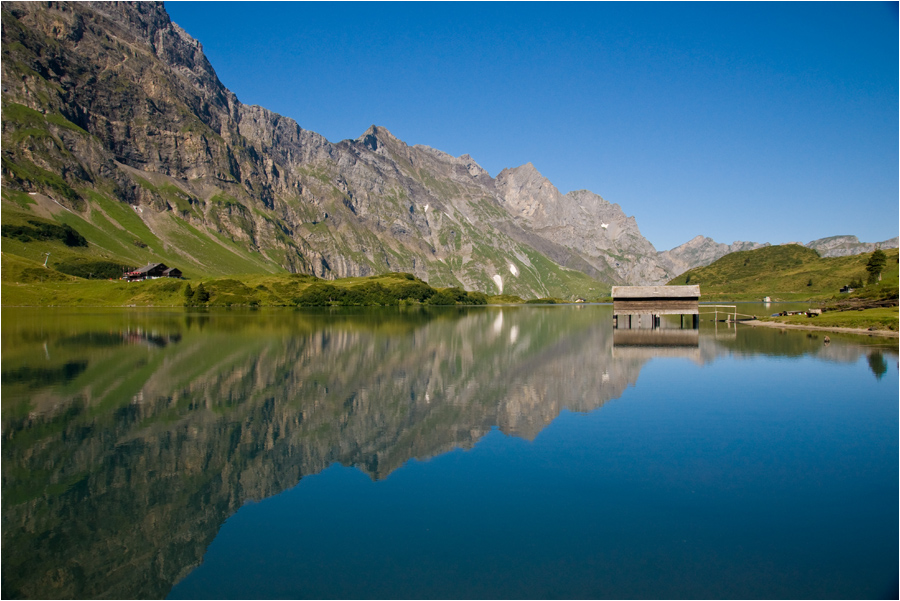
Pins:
x: 788, y: 272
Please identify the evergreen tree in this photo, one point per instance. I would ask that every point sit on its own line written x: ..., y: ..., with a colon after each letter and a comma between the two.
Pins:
x: 876, y: 265
x: 201, y: 296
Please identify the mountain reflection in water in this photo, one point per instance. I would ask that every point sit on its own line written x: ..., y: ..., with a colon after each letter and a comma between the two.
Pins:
x: 131, y: 436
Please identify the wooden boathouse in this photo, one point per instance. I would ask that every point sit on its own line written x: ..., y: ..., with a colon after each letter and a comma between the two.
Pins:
x: 653, y: 301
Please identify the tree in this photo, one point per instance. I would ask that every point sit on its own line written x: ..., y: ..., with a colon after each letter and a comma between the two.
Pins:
x: 876, y: 265
x: 201, y: 296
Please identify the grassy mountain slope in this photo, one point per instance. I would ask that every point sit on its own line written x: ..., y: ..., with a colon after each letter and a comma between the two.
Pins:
x: 117, y: 234
x: 787, y: 272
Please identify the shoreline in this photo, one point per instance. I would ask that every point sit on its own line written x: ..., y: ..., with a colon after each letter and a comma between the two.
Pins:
x: 792, y: 326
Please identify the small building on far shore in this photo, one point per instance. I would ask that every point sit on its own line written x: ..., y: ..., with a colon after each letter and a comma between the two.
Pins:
x: 152, y: 271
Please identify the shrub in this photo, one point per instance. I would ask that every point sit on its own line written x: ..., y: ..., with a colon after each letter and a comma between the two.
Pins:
x: 441, y: 297
x: 44, y: 230
x: 414, y: 290
x: 97, y: 270
x: 477, y: 298
x: 319, y: 294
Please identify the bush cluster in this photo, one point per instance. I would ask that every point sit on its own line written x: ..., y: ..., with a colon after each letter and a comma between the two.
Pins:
x: 96, y: 270
x: 323, y: 294
x: 392, y: 291
x: 42, y: 230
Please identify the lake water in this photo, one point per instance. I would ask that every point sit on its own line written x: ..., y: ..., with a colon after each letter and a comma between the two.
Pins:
x: 514, y: 452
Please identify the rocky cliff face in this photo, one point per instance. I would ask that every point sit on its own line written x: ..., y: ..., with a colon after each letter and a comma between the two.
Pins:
x: 583, y: 221
x: 114, y: 101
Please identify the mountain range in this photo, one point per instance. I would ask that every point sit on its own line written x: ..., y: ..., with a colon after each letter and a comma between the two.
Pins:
x: 115, y: 123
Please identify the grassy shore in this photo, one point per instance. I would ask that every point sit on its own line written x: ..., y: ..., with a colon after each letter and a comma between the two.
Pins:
x: 883, y: 320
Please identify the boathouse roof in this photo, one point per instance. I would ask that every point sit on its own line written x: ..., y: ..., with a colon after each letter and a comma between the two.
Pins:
x: 652, y: 292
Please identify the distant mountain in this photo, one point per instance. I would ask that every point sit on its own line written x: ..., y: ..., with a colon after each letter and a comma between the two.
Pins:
x: 700, y: 251
x: 842, y: 246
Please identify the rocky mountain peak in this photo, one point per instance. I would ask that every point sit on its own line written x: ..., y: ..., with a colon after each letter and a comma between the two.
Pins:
x: 376, y: 137
x: 148, y: 24
x: 583, y: 221
x: 527, y: 194
x: 474, y: 169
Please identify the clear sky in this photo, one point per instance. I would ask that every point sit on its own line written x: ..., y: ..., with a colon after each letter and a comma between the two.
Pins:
x: 765, y: 122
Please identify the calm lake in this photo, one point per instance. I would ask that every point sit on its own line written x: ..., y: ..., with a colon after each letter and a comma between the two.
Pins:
x: 489, y: 452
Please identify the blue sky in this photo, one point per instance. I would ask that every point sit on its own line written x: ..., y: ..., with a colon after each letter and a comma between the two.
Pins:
x: 768, y: 122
